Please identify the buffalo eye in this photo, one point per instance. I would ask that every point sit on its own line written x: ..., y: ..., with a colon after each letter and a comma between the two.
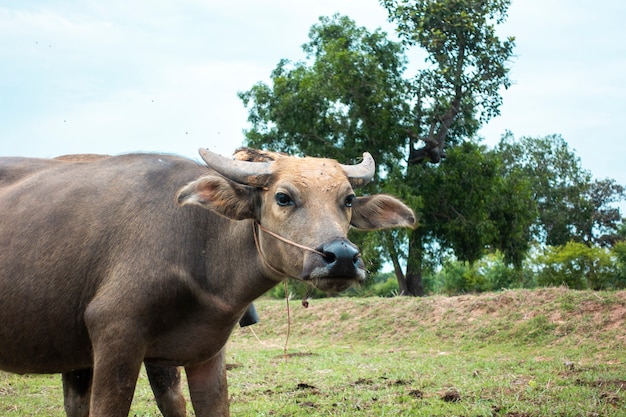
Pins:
x: 349, y: 200
x: 284, y: 200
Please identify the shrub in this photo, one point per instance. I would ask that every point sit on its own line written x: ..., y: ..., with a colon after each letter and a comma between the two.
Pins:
x: 388, y: 288
x: 577, y: 266
x: 499, y: 275
x: 458, y: 277
x: 619, y: 254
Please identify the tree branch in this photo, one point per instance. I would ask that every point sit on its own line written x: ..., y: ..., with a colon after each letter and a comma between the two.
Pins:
x: 435, y: 142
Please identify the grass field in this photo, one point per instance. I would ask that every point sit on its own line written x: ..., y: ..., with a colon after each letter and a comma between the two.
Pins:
x: 547, y: 352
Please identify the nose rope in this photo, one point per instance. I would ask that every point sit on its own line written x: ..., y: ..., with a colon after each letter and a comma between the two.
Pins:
x: 305, y: 303
x: 267, y: 264
x: 269, y: 232
x: 261, y: 255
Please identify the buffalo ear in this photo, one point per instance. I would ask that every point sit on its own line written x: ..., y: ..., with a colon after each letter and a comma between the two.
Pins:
x: 224, y: 197
x: 381, y: 212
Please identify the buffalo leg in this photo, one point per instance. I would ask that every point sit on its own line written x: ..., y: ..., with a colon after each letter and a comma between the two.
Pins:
x: 115, y: 372
x: 76, y: 392
x: 208, y: 387
x: 165, y: 383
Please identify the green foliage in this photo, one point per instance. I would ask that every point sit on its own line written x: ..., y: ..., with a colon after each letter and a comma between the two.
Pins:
x: 619, y: 251
x: 512, y: 211
x: 456, y: 209
x: 490, y: 273
x: 383, y: 285
x: 500, y: 274
x: 603, y: 225
x: 471, y: 203
x: 573, y: 265
x: 578, y: 267
x: 557, y: 182
x: 570, y: 206
x: 460, y: 278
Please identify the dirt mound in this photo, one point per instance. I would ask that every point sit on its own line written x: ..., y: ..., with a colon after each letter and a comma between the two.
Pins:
x: 549, y: 314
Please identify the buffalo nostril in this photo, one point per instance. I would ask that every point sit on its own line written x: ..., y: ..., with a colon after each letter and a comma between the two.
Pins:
x: 329, y: 257
x: 340, y: 251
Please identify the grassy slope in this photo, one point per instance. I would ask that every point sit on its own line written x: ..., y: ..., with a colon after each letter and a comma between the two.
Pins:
x: 515, y: 353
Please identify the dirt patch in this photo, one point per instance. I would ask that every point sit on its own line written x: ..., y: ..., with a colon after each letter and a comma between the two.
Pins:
x: 304, y: 385
x: 417, y: 394
x: 363, y: 381
x: 296, y: 355
x: 451, y: 396
x: 616, y: 384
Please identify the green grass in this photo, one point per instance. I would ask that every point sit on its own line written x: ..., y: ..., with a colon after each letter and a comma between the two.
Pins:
x: 549, y: 352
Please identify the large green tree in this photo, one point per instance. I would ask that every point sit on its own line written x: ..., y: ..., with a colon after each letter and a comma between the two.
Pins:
x: 571, y: 206
x: 456, y: 93
x: 350, y: 95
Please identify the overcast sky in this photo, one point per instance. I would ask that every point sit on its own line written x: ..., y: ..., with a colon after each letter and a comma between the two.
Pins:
x: 120, y: 76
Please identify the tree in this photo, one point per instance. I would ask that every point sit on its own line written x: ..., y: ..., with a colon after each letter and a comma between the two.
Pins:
x: 602, y: 227
x: 570, y: 205
x: 471, y: 203
x: 457, y: 93
x: 578, y: 266
x: 351, y: 96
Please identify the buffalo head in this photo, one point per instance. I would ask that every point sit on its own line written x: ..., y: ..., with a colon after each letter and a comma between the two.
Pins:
x: 302, y: 209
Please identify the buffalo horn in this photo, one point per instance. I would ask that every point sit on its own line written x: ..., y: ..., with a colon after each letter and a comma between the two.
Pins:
x: 362, y: 173
x: 256, y: 174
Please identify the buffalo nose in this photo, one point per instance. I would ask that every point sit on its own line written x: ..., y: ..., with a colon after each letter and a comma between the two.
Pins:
x: 341, y: 257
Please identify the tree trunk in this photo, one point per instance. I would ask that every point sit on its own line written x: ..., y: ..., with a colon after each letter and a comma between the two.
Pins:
x: 413, y: 275
x: 397, y: 268
x: 409, y: 284
x: 414, y: 284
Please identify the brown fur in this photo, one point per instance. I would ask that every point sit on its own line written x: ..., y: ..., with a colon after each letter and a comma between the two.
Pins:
x: 256, y: 155
x: 85, y: 157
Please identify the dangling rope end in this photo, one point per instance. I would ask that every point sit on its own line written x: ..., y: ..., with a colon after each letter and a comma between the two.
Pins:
x: 288, y: 319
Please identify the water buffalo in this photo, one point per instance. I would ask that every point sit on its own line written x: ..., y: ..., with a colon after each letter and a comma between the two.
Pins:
x: 110, y: 262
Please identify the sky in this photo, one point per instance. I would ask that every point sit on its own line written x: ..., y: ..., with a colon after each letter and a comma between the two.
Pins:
x: 163, y: 76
